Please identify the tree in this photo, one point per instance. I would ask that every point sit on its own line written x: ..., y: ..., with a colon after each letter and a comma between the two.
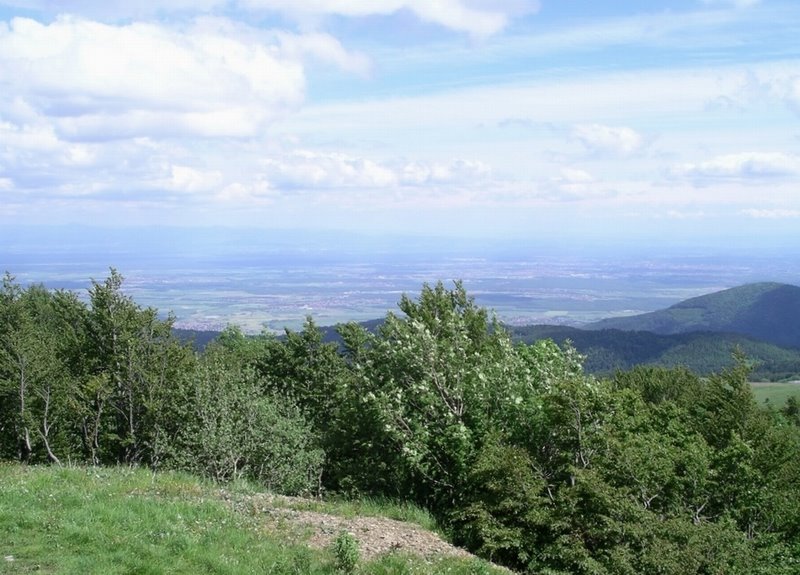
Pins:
x: 133, y: 360
x: 37, y: 341
x: 426, y: 387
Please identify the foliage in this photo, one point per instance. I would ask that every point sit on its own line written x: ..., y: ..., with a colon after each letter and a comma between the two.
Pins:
x: 345, y: 550
x: 610, y: 350
x: 233, y: 430
x: 425, y: 387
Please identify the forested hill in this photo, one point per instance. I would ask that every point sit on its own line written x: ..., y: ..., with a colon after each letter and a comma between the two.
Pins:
x: 769, y: 312
x: 608, y: 350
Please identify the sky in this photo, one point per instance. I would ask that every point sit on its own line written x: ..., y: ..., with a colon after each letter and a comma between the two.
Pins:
x: 594, y: 120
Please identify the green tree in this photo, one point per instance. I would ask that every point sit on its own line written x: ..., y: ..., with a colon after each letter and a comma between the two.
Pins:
x: 37, y: 343
x: 134, y: 358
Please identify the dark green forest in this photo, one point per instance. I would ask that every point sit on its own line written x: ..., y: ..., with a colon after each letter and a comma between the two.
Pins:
x: 606, y: 351
x: 520, y: 454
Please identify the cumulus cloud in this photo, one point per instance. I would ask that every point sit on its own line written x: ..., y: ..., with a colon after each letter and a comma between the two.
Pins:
x: 244, y: 194
x: 572, y: 184
x: 686, y: 215
x: 618, y: 140
x: 454, y: 172
x: 787, y: 89
x: 741, y: 166
x: 188, y: 179
x: 98, y: 81
x: 18, y: 139
x: 323, y: 47
x: 305, y: 169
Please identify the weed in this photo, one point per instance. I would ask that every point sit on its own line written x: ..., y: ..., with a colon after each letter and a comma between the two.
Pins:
x: 345, y: 550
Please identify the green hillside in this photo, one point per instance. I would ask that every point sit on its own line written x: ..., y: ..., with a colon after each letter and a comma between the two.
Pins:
x: 766, y: 311
x: 120, y: 520
x: 608, y: 350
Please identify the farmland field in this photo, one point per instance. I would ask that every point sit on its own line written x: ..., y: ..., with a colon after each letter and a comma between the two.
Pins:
x: 775, y: 394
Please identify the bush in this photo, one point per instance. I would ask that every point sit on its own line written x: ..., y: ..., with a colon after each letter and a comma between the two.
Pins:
x: 236, y: 431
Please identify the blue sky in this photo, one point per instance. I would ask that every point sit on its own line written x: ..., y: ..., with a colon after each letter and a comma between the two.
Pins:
x: 589, y: 119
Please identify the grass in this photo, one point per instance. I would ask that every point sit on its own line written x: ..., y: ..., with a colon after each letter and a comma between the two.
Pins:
x: 775, y: 394
x: 131, y: 521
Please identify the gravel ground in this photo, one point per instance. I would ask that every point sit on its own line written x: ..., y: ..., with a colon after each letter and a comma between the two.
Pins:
x: 376, y: 535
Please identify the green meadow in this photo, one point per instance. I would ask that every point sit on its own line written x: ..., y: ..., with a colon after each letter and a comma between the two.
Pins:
x: 775, y: 394
x: 131, y: 521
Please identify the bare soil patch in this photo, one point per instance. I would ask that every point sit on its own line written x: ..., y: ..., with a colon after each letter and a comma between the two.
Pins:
x: 376, y: 535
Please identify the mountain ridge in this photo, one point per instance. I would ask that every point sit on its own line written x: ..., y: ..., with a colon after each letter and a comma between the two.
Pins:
x: 767, y: 311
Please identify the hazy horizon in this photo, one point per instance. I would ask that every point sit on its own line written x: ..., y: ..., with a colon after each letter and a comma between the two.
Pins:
x: 214, y: 277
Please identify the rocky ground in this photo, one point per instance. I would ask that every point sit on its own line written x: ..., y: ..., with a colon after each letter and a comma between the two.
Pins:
x: 375, y: 535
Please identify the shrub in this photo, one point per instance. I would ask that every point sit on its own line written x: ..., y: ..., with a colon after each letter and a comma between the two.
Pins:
x: 345, y: 550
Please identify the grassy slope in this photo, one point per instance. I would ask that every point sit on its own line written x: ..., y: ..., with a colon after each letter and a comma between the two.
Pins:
x: 109, y: 521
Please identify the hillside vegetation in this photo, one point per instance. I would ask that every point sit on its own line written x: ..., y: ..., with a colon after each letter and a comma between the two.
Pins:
x: 609, y: 350
x: 517, y: 453
x: 768, y: 312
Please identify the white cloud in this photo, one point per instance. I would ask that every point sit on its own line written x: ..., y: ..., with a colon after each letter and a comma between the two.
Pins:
x: 735, y: 3
x: 575, y: 184
x: 19, y: 139
x: 97, y: 81
x: 244, y: 194
x: 772, y: 214
x: 79, y: 155
x: 6, y: 184
x: 323, y: 47
x: 786, y: 88
x: 741, y: 166
x: 686, y: 215
x: 574, y: 176
x: 316, y: 170
x: 455, y: 172
x: 187, y: 179
x: 619, y: 140
x: 476, y: 18
x: 307, y: 169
